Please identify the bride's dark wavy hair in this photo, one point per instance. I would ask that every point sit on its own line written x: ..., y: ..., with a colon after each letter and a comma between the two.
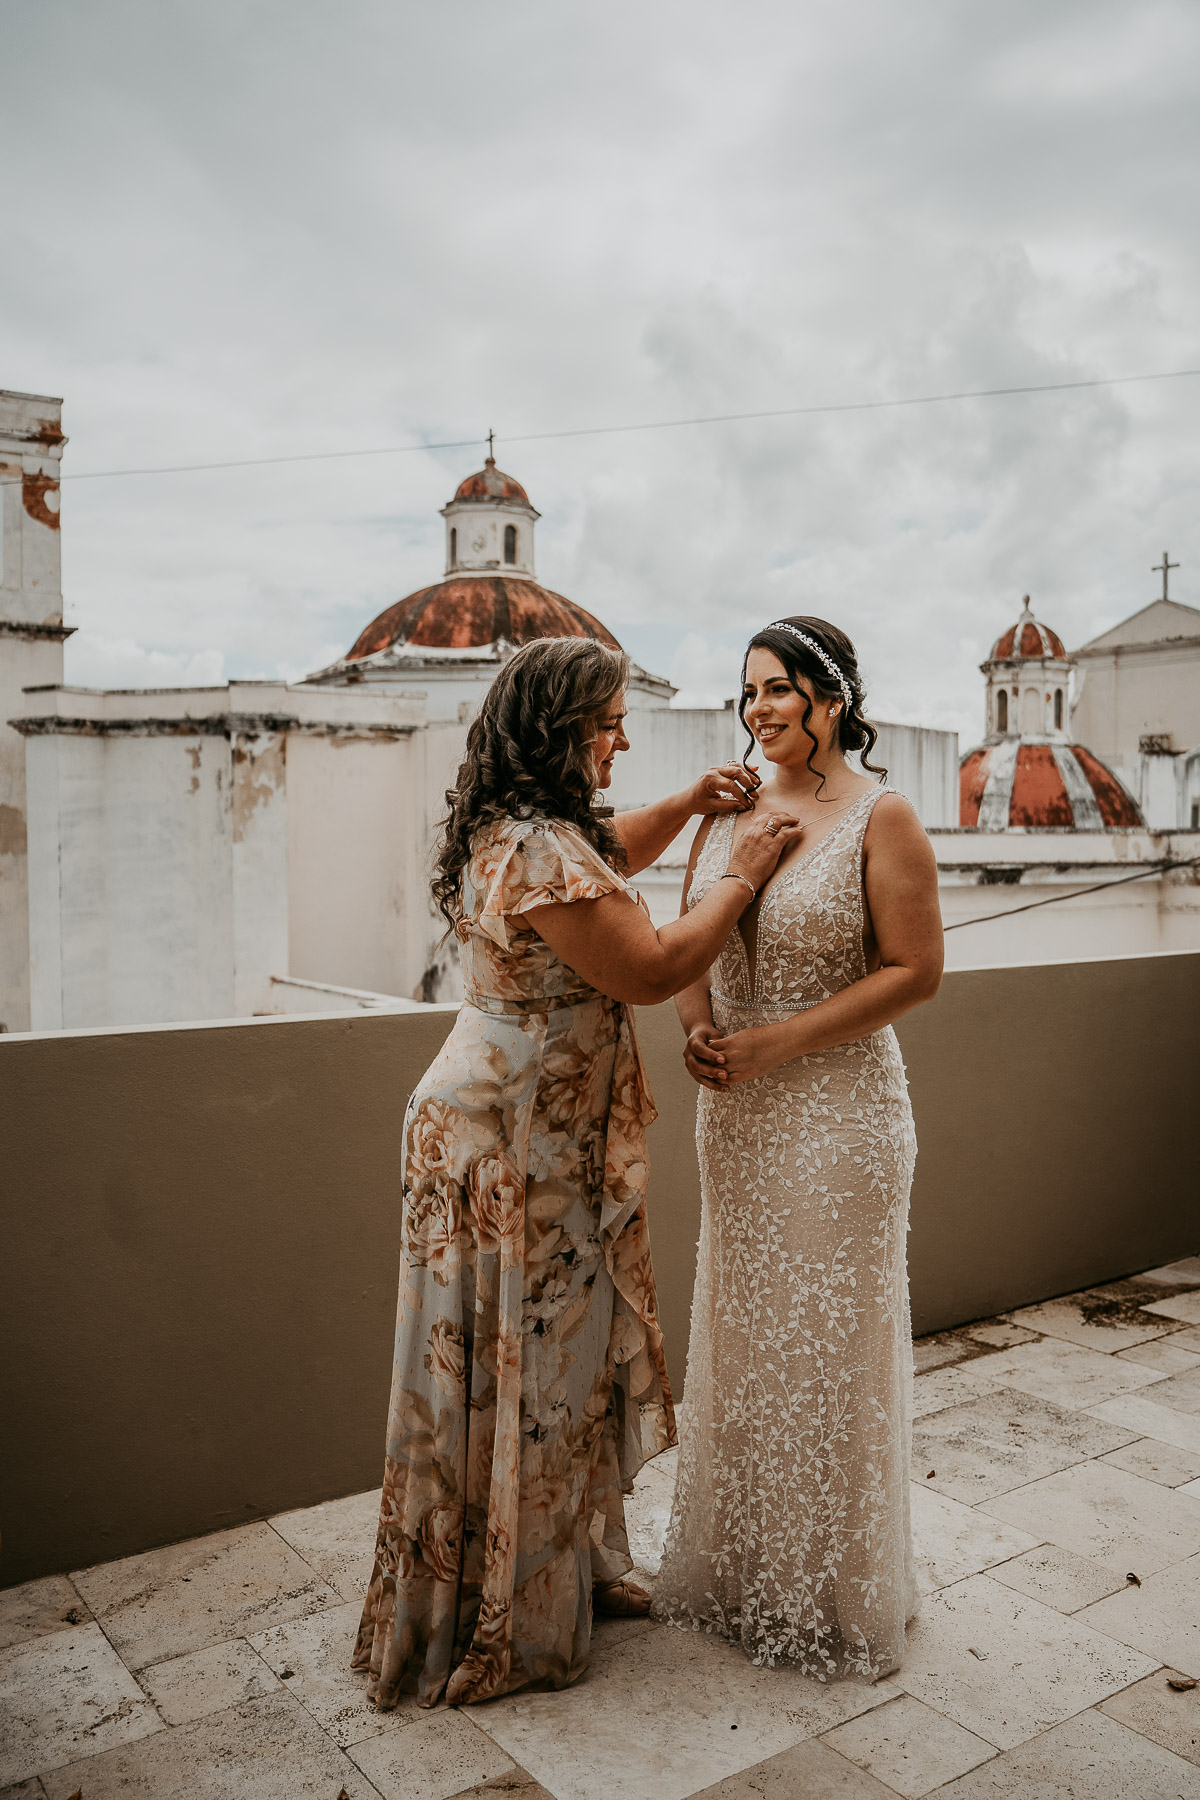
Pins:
x: 854, y: 731
x: 529, y: 753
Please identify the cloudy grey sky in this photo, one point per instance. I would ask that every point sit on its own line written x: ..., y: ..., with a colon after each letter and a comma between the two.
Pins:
x: 272, y: 227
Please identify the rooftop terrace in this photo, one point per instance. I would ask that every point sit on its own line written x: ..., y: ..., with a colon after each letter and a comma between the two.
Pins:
x: 1056, y: 1494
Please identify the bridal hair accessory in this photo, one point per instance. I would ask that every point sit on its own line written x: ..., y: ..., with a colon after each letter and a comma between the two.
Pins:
x: 821, y: 656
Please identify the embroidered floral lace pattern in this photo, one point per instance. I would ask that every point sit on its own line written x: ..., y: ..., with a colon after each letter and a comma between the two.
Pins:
x: 529, y: 1382
x: 790, y: 1527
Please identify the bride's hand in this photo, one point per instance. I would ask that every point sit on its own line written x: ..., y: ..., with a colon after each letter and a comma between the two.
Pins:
x: 728, y: 789
x: 746, y: 1054
x: 702, y: 1063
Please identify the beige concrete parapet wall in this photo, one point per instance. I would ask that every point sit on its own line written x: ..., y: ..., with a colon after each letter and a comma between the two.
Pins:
x: 201, y: 1227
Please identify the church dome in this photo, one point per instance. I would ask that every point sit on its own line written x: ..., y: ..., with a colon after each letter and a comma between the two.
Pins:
x: 1027, y: 640
x: 476, y: 612
x: 1016, y: 783
x: 490, y: 483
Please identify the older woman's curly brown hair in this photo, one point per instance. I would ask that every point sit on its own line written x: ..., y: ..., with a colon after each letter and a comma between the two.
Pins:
x: 528, y: 753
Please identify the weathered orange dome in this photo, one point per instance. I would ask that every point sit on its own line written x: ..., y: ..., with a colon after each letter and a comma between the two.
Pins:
x: 1031, y: 785
x: 491, y: 483
x: 1027, y: 640
x: 468, y: 612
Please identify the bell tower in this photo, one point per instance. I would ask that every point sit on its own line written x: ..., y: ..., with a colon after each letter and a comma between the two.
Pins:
x: 489, y: 525
x: 1028, y: 683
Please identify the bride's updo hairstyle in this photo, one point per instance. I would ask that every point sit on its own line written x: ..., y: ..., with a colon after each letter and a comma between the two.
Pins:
x: 529, y: 753
x: 854, y: 732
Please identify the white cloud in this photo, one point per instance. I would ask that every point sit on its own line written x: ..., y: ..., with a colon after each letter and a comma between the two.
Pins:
x: 92, y: 660
x: 404, y: 222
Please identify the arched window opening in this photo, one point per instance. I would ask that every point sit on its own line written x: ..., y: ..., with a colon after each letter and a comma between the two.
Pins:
x: 1058, y: 709
x: 453, y: 545
x: 1002, y: 711
x: 510, y: 543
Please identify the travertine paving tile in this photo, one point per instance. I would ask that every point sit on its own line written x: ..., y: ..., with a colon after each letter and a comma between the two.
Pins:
x: 167, y: 1602
x: 1005, y: 1667
x: 1180, y: 1392
x: 313, y: 1656
x: 268, y: 1749
x: 1058, y: 1577
x: 808, y: 1771
x: 938, y: 1352
x: 654, y: 1719
x: 909, y: 1746
x: 1176, y: 1273
x: 1066, y: 1374
x: 337, y: 1539
x: 1181, y: 1306
x: 1001, y: 1334
x: 1162, y: 1354
x: 432, y: 1756
x: 1088, y: 1758
x: 1147, y: 1418
x: 1002, y: 1441
x: 1072, y: 1319
x: 950, y: 1387
x: 1187, y: 1340
x: 1107, y: 1514
x: 1153, y: 1461
x: 24, y: 1790
x: 65, y: 1696
x: 207, y: 1681
x: 952, y: 1540
x: 38, y: 1607
x: 1153, y: 1708
x: 517, y: 1786
x: 1161, y: 1618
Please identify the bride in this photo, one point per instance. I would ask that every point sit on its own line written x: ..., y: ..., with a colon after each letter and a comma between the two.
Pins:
x: 790, y: 1526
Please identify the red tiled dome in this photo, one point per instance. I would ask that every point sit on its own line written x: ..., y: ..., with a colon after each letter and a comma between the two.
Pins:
x: 491, y: 483
x: 1016, y: 783
x: 474, y: 612
x: 1027, y: 640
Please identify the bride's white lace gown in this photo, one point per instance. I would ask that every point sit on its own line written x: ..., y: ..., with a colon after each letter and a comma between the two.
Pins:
x: 790, y: 1527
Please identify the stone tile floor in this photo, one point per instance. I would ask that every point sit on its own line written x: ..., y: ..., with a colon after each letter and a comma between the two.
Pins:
x: 1056, y: 1505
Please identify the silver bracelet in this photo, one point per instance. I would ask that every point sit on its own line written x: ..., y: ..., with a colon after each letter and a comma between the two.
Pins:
x: 732, y: 875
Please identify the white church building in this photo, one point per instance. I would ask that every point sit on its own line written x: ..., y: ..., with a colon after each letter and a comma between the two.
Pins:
x: 262, y: 847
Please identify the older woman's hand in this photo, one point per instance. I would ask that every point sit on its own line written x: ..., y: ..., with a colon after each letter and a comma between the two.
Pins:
x: 730, y: 788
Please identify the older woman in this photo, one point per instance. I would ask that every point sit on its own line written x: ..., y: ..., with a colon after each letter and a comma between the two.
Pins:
x: 529, y: 1381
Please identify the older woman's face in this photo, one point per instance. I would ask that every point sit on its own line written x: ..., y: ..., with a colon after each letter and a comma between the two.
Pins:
x: 609, y: 739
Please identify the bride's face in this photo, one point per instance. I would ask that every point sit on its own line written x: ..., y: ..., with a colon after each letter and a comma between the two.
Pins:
x: 775, y: 711
x: 609, y: 740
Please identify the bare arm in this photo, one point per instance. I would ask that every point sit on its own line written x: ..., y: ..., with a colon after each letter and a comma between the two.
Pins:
x: 646, y: 831
x: 694, y: 1004
x: 900, y: 879
x: 612, y: 944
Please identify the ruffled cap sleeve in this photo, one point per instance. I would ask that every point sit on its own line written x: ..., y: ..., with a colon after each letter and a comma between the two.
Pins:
x: 535, y: 865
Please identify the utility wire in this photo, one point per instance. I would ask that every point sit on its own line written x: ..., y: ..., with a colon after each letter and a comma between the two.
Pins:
x: 1157, y: 868
x: 538, y: 437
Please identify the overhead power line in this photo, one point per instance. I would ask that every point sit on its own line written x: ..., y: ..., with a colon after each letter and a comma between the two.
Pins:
x: 1155, y: 868
x: 539, y: 437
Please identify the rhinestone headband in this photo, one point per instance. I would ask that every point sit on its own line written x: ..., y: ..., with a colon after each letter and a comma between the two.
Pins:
x: 821, y: 656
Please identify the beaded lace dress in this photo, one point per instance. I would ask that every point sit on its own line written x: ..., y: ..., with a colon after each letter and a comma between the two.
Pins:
x: 790, y: 1526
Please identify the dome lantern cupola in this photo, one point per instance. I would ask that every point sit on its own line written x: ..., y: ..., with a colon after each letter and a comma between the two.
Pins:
x: 489, y: 525
x: 1028, y: 683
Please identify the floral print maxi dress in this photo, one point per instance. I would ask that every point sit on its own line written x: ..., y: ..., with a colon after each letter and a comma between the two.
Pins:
x: 529, y: 1382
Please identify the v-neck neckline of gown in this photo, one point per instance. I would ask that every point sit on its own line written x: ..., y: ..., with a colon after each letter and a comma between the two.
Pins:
x: 750, y: 953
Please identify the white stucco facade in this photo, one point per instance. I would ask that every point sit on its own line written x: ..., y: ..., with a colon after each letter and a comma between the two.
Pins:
x: 1139, y: 681
x: 188, y: 846
x: 31, y: 651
